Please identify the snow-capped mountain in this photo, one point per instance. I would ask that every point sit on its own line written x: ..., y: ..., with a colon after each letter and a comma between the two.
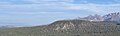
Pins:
x: 95, y: 17
x: 108, y: 17
x: 112, y: 17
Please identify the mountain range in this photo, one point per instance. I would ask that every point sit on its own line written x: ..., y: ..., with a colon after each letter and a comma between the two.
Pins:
x: 108, y: 17
x: 96, y: 25
x: 7, y: 26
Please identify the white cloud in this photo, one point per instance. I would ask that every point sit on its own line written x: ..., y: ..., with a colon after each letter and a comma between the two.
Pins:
x: 96, y: 7
x: 35, y: 1
x: 61, y: 6
x: 32, y: 13
x: 42, y: 1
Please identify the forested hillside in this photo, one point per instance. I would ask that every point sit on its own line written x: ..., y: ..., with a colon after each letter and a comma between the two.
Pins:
x: 67, y: 28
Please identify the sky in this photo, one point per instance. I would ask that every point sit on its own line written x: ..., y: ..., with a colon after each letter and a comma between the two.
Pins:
x: 42, y: 12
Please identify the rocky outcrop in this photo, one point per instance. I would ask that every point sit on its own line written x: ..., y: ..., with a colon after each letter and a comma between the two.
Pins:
x: 66, y: 26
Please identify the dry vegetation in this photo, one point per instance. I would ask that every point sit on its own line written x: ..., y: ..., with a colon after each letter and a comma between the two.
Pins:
x: 67, y: 28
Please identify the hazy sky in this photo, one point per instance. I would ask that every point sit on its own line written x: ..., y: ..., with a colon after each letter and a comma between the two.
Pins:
x: 38, y: 12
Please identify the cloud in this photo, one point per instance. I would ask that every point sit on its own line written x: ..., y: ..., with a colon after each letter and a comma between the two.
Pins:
x: 32, y: 13
x: 96, y: 7
x: 63, y: 6
x: 39, y: 1
x: 57, y: 6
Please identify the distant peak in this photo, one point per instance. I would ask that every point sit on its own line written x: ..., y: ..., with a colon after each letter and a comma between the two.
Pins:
x: 108, y: 17
x: 117, y: 13
x: 95, y: 17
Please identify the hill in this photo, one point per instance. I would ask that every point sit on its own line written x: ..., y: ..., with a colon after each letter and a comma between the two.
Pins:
x: 67, y: 28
